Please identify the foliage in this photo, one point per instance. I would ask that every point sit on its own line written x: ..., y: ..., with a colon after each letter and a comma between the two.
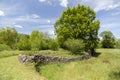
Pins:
x: 8, y: 36
x: 108, y: 40
x: 78, y: 23
x: 117, y: 45
x: 99, y: 45
x: 24, y: 42
x: 36, y: 40
x: 75, y: 46
x: 42, y: 41
x: 53, y: 45
x: 46, y: 41
x: 4, y: 47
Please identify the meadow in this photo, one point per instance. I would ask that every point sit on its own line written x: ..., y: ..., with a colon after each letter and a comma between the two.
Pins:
x: 106, y: 66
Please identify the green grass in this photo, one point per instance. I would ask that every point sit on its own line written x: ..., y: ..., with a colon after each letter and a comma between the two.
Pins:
x: 4, y: 54
x: 60, y: 53
x: 11, y: 69
x: 104, y: 67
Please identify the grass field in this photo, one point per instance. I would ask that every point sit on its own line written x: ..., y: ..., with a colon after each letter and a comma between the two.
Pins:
x: 11, y: 69
x: 104, y: 67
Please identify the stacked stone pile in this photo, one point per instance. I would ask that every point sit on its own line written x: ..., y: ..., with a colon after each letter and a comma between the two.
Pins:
x: 42, y: 59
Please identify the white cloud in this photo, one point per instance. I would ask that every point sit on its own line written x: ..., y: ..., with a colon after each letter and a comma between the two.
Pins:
x: 46, y: 1
x: 18, y: 26
x: 106, y: 5
x: 50, y: 3
x: 35, y: 16
x: 41, y: 0
x: 99, y: 5
x: 28, y: 18
x: 48, y: 21
x: 2, y: 13
x: 64, y: 3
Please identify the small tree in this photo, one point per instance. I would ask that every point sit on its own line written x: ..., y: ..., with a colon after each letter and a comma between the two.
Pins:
x: 36, y: 40
x: 8, y: 36
x: 24, y: 42
x: 108, y: 40
x: 53, y: 44
x: 117, y: 45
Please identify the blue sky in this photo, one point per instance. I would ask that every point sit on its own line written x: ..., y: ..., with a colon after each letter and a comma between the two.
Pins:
x: 29, y: 15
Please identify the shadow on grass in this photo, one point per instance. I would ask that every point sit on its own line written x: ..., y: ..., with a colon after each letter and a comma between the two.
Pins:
x: 37, y: 66
x: 114, y: 75
x: 96, y: 54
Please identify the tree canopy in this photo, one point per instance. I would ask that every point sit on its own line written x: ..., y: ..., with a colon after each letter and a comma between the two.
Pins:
x: 117, y: 44
x: 23, y: 42
x: 36, y: 40
x: 8, y: 36
x: 108, y: 40
x: 78, y: 23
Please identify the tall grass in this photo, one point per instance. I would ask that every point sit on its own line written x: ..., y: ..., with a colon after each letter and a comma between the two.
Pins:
x: 4, y: 54
x: 11, y: 69
x: 104, y: 67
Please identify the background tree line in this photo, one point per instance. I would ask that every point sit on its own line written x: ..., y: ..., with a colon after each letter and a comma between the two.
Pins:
x: 108, y: 40
x: 11, y: 39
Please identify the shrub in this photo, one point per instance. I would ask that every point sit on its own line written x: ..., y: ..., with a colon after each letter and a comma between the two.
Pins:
x: 76, y: 46
x: 4, y: 47
x: 44, y: 45
x: 24, y: 44
x: 36, y: 38
x: 99, y: 45
x: 53, y: 45
x: 117, y: 44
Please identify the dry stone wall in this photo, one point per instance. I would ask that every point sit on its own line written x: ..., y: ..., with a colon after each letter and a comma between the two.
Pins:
x: 42, y: 59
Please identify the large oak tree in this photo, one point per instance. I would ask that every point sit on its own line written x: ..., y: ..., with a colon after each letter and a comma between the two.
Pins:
x: 78, y: 23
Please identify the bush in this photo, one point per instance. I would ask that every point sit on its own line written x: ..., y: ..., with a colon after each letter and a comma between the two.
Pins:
x: 76, y: 46
x: 4, y: 47
x: 44, y: 45
x: 117, y: 44
x: 99, y: 45
x: 53, y: 45
x: 24, y: 44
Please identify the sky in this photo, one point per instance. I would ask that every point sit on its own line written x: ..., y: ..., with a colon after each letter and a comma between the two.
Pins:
x: 28, y: 15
